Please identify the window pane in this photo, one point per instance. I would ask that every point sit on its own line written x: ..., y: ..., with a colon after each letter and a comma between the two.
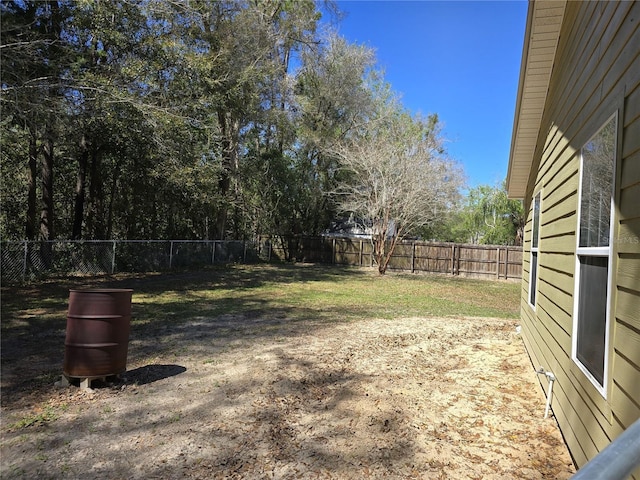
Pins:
x: 592, y: 314
x: 534, y: 277
x: 598, y: 157
x: 536, y: 222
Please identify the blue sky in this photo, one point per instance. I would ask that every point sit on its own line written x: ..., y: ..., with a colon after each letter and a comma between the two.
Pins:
x: 459, y: 59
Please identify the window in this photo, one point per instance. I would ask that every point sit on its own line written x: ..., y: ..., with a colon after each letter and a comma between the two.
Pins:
x: 535, y: 240
x: 593, y: 254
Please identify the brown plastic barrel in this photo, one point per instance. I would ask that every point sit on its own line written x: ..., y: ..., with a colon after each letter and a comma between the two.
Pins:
x: 97, y: 338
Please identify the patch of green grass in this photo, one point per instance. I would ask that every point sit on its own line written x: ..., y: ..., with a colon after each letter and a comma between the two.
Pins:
x: 287, y: 292
x: 47, y: 415
x: 319, y: 292
x: 175, y: 417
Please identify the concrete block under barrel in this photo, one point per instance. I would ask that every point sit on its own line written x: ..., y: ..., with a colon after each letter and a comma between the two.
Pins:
x: 97, y: 338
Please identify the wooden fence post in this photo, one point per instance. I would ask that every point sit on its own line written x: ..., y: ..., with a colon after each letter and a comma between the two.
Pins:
x: 506, y: 263
x: 453, y: 259
x: 498, y: 263
x: 413, y: 257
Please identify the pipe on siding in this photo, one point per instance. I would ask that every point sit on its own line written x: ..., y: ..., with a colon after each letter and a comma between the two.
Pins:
x: 552, y: 378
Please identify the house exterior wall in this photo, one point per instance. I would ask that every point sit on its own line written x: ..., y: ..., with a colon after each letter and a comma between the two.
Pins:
x: 596, y: 73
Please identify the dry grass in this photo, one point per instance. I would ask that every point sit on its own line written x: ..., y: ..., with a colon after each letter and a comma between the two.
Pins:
x: 292, y: 372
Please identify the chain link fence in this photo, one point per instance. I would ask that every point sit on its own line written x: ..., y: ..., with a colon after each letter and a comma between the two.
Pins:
x: 27, y: 260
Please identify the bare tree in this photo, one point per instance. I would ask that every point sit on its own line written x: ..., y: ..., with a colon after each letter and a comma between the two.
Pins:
x: 400, y: 178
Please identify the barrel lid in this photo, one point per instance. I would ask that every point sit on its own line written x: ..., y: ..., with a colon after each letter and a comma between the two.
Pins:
x: 100, y: 290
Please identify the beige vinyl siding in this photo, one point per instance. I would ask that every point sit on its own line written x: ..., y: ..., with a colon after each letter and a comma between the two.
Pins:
x: 626, y: 388
x: 626, y: 341
x: 627, y: 234
x: 596, y: 72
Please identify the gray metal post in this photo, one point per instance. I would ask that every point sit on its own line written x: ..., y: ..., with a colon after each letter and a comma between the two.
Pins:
x: 617, y: 461
x: 170, y: 254
x: 113, y: 258
x: 333, y: 251
x: 371, y: 256
x: 24, y: 261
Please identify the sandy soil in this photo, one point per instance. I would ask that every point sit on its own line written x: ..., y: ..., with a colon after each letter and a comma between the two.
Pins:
x: 231, y: 397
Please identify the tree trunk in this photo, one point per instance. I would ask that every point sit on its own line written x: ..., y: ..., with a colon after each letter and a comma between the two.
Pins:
x: 383, y: 254
x: 230, y: 130
x: 380, y: 255
x: 47, y: 210
x: 78, y: 209
x: 30, y: 227
x: 96, y: 197
x: 112, y: 196
x: 221, y: 215
x: 379, y: 239
x: 382, y: 267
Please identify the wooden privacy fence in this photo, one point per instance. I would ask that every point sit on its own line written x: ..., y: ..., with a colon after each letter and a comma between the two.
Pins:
x: 489, y: 261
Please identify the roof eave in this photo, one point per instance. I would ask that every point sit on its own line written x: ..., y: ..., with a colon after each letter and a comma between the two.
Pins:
x: 544, y: 20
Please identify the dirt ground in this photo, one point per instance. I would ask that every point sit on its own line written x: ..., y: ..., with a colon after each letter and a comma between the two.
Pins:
x: 254, y: 398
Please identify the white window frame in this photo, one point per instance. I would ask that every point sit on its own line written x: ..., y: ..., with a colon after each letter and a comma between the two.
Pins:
x: 535, y: 250
x: 603, y: 252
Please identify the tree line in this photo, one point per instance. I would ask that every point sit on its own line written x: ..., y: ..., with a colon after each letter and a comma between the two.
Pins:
x: 208, y: 119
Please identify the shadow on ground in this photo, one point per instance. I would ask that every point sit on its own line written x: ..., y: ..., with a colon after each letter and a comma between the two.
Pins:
x: 34, y: 318
x: 151, y: 373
